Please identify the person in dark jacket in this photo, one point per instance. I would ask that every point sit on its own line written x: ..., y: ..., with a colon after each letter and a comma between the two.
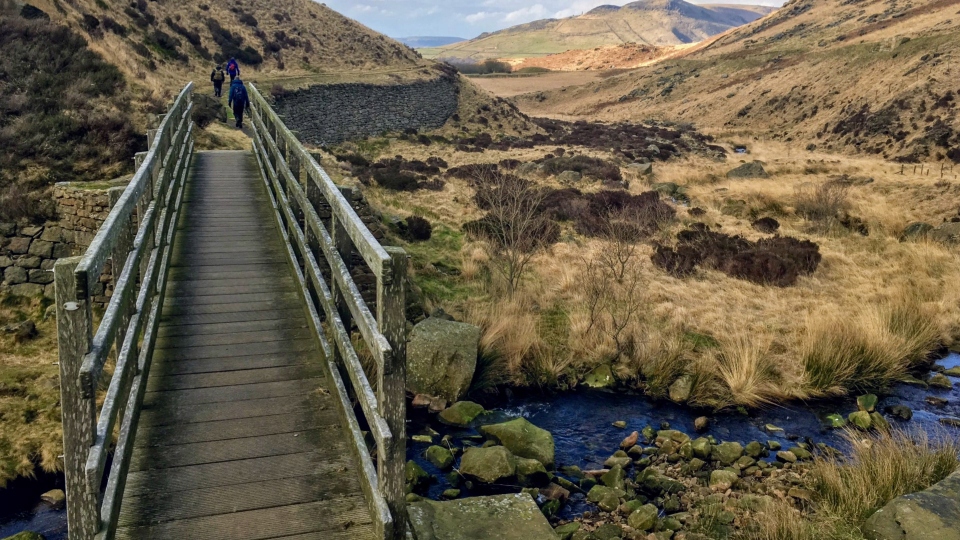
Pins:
x: 217, y: 77
x: 238, y: 100
x: 233, y: 68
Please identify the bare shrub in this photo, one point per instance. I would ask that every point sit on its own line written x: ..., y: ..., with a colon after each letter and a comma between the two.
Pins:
x: 822, y: 202
x: 515, y: 227
x: 16, y: 203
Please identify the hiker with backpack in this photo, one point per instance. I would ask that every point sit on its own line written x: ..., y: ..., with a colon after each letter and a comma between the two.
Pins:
x: 217, y: 77
x: 233, y: 68
x: 238, y: 100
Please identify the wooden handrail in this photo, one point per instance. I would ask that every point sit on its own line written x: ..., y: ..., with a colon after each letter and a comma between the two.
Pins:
x: 139, y: 264
x: 298, y: 186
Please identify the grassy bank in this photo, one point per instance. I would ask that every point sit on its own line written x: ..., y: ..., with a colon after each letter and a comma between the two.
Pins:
x: 873, y: 310
x: 848, y: 491
x: 30, y: 434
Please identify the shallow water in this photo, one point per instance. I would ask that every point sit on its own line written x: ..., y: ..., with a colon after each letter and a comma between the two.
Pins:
x: 581, y: 424
x: 22, y: 510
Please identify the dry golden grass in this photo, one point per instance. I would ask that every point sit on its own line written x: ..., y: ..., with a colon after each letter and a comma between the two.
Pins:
x: 880, y: 468
x: 743, y: 343
x: 30, y: 433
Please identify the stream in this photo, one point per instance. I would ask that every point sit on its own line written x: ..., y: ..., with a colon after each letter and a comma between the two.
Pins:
x: 582, y: 426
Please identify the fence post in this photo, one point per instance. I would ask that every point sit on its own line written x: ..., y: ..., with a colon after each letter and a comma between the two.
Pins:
x: 391, y: 317
x: 79, y: 416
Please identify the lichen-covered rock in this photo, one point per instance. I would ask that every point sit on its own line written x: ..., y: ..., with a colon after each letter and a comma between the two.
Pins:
x: 416, y: 478
x: 441, y: 358
x: 933, y: 513
x: 867, y: 402
x: 861, y: 419
x: 940, y: 381
x: 726, y: 453
x: 26, y: 535
x: 440, y: 457
x: 722, y: 480
x: 531, y: 472
x: 948, y: 233
x: 753, y: 169
x: 643, y: 518
x: 488, y: 465
x: 500, y: 517
x: 523, y: 439
x: 680, y: 389
x: 461, y: 413
x: 600, y: 377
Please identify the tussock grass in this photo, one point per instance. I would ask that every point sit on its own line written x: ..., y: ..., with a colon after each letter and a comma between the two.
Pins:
x: 880, y: 468
x: 867, y: 352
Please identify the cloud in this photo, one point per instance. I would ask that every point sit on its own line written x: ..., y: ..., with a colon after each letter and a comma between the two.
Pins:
x: 467, y: 18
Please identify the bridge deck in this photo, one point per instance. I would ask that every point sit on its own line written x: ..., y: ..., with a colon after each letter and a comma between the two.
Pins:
x: 238, y: 439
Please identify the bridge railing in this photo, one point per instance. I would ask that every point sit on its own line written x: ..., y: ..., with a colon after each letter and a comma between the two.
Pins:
x: 301, y: 191
x: 136, y: 240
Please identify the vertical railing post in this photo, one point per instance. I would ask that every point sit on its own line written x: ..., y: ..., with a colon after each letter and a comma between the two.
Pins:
x: 391, y: 317
x: 79, y: 415
x: 344, y: 246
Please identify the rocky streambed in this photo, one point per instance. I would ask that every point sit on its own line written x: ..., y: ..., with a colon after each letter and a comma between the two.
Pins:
x: 624, y: 466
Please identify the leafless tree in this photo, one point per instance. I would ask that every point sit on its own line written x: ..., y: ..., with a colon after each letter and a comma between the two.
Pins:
x: 515, y: 228
x: 621, y: 233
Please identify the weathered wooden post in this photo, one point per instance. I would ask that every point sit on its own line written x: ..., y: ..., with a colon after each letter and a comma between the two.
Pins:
x: 391, y: 317
x: 344, y: 246
x: 79, y: 415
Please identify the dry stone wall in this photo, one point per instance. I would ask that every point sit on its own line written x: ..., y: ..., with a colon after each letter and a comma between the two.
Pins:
x: 331, y: 114
x: 29, y: 251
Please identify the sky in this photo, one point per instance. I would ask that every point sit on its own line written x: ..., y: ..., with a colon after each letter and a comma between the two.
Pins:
x: 469, y: 18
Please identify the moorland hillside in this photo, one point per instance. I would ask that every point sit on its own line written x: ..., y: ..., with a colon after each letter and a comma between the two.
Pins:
x: 868, y: 76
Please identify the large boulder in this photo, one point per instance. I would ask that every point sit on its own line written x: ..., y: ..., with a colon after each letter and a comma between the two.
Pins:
x: 523, y: 439
x: 441, y: 358
x: 933, y: 513
x: 948, y: 233
x: 500, y: 517
x: 488, y: 465
x: 754, y: 169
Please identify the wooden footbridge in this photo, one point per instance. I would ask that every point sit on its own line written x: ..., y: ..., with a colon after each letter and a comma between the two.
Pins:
x: 221, y: 394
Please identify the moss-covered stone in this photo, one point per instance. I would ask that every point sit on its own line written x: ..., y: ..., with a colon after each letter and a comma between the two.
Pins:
x: 461, y: 413
x: 488, y: 465
x: 440, y: 457
x: 523, y: 439
x: 861, y: 419
x: 531, y: 472
x: 726, y: 453
x: 501, y: 517
x: 643, y: 518
x: 600, y: 377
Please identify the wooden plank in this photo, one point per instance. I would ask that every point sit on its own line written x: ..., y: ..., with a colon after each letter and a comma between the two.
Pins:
x: 222, y: 430
x: 227, y: 318
x: 344, y: 515
x: 229, y: 378
x: 199, y: 396
x: 238, y: 307
x: 163, y: 507
x: 274, y: 325
x: 168, y: 414
x: 281, y: 346
x: 233, y: 298
x: 321, y: 440
x: 173, y: 344
x: 238, y: 363
x: 242, y: 471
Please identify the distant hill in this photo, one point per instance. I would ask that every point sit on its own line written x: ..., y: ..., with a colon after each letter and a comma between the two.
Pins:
x: 418, y: 42
x: 870, y: 77
x: 162, y: 43
x: 647, y: 22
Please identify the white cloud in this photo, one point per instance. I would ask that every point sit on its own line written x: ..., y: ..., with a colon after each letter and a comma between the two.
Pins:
x: 527, y: 14
x: 478, y: 17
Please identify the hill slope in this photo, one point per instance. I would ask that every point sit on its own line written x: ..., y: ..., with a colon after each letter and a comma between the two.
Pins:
x: 873, y: 76
x: 164, y: 42
x: 647, y: 22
